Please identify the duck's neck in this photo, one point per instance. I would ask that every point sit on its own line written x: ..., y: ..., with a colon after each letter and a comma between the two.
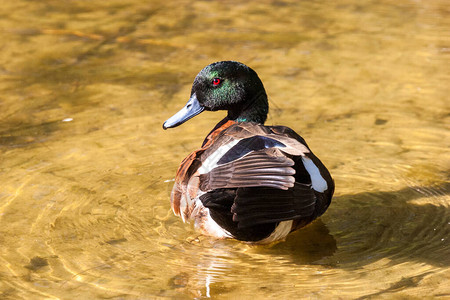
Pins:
x: 254, y: 110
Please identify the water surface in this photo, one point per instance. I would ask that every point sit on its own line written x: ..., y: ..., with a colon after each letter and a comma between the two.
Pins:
x: 86, y: 169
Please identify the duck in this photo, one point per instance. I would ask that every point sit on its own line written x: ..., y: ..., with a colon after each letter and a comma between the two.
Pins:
x: 248, y: 181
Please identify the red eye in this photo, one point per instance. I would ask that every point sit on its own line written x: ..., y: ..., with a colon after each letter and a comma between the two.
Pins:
x: 216, y: 81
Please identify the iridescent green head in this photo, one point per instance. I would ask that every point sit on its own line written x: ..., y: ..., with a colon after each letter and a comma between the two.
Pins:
x: 225, y: 85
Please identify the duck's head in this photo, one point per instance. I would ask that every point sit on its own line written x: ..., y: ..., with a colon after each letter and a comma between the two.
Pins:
x: 225, y: 85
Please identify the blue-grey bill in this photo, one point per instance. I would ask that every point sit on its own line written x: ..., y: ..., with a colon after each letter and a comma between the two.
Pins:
x: 190, y: 110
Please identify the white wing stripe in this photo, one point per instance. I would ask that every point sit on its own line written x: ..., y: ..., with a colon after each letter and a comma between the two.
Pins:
x: 318, y: 182
x: 211, y: 162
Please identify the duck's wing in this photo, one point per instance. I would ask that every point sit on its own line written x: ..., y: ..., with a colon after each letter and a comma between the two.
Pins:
x: 274, y: 177
x: 257, y: 161
x: 261, y: 175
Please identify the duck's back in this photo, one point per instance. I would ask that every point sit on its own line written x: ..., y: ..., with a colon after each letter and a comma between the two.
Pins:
x: 257, y: 183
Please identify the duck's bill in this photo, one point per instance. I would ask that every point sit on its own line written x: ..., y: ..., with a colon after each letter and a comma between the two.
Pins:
x: 190, y: 110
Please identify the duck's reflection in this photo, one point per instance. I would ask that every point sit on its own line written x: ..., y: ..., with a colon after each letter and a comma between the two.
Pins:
x: 219, y: 259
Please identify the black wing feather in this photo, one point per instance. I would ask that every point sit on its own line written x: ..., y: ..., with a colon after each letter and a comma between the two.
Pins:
x: 254, y: 206
x: 247, y: 145
x: 219, y: 203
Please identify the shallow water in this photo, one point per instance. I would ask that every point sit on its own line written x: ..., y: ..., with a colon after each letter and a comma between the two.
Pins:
x: 86, y: 169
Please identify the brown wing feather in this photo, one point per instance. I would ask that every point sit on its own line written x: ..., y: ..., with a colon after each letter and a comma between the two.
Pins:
x: 269, y: 167
x: 255, y: 169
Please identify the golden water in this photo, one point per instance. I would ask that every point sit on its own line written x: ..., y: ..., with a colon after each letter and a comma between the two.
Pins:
x: 86, y: 169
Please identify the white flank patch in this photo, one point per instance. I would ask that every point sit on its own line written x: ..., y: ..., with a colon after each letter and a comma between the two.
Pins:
x: 211, y: 162
x: 318, y: 182
x: 206, y: 224
x: 280, y: 232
